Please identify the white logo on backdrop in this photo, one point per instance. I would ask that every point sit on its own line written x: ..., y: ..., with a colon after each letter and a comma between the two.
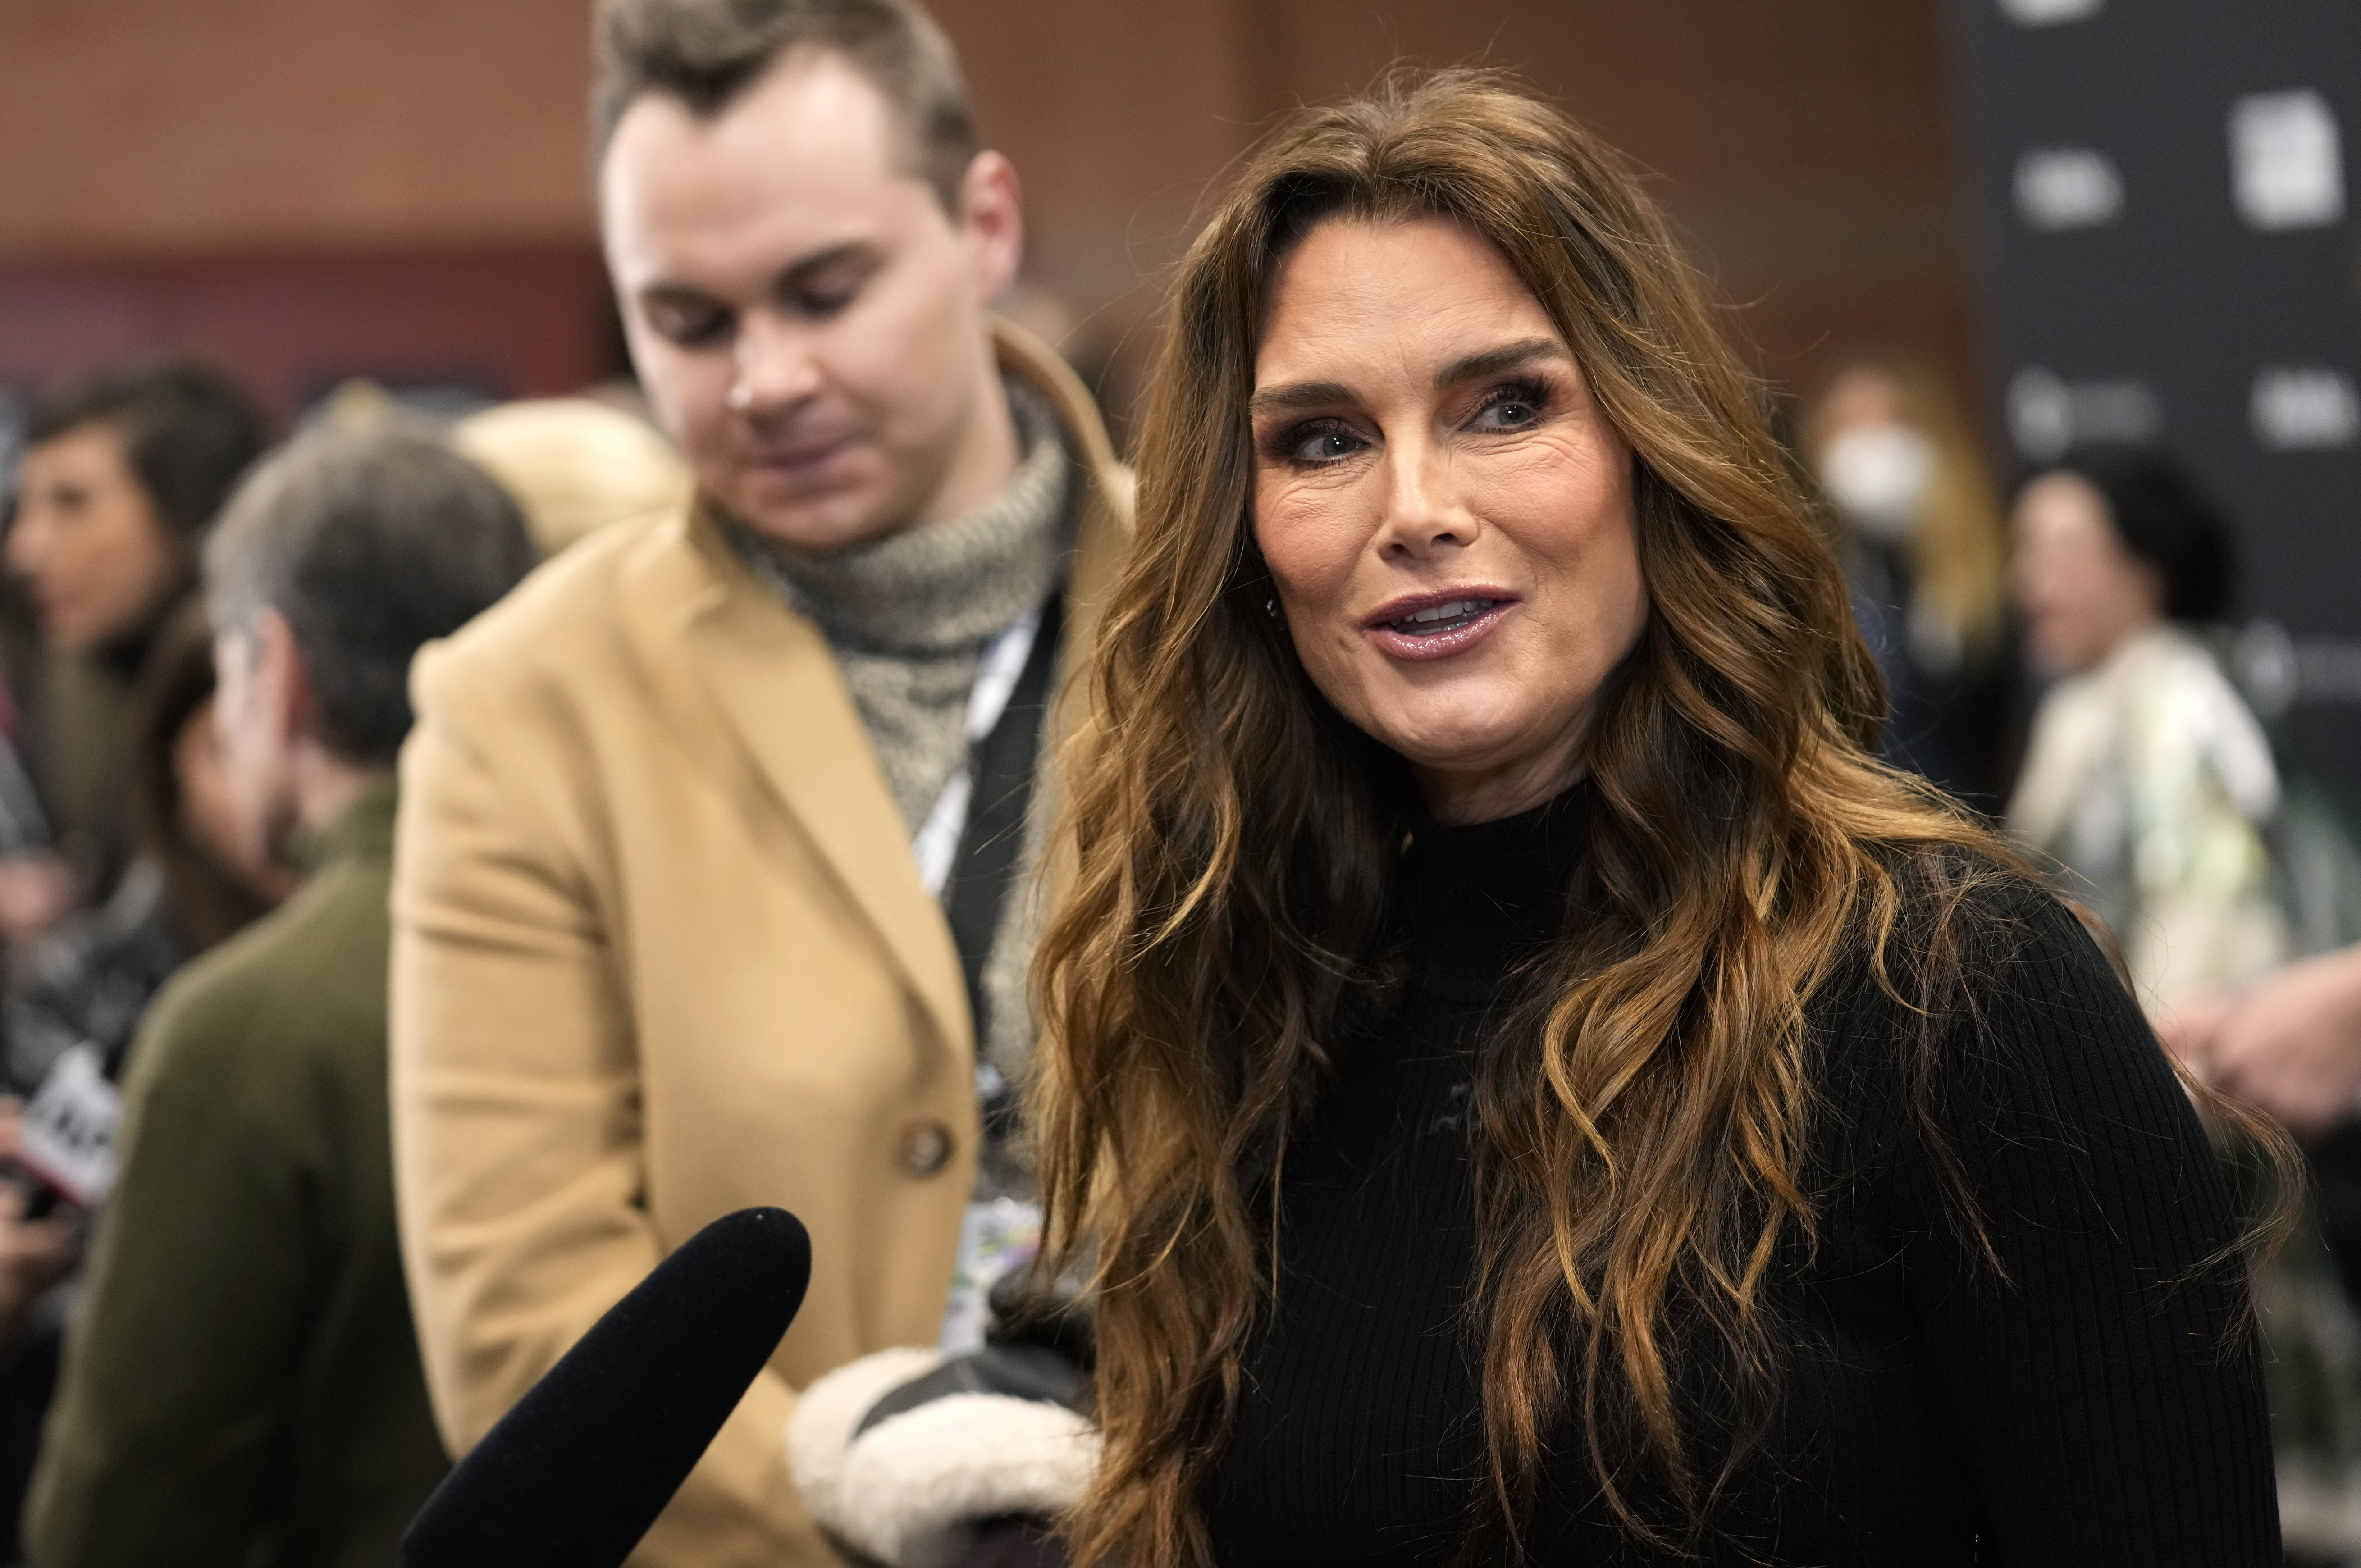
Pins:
x: 2048, y: 416
x: 2287, y: 169
x: 2045, y: 13
x: 2068, y: 188
x: 2277, y: 670
x: 2297, y: 407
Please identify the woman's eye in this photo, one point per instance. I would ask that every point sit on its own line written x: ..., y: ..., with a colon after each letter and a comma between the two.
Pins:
x: 1513, y: 408
x: 1323, y: 444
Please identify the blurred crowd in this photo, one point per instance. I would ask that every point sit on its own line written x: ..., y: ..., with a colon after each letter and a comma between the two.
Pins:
x: 2063, y: 661
x: 167, y: 780
x: 207, y: 635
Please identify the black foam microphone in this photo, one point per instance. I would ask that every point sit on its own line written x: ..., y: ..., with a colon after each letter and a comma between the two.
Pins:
x: 574, y: 1474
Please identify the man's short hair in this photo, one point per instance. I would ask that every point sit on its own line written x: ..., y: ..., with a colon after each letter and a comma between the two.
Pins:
x: 706, y: 52
x: 188, y: 431
x: 372, y: 544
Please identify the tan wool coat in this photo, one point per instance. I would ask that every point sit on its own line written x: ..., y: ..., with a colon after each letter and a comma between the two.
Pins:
x: 661, y: 952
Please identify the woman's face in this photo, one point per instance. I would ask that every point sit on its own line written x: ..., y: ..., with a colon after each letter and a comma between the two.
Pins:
x: 98, y: 557
x: 1446, y: 513
x: 2081, y: 592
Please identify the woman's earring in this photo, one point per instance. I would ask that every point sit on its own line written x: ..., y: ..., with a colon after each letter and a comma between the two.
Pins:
x: 1270, y: 608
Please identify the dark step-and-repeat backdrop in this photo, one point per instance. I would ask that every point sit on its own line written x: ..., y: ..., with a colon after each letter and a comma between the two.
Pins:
x: 2167, y: 198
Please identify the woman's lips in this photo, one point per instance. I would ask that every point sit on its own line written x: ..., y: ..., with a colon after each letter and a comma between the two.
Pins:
x: 1438, y: 626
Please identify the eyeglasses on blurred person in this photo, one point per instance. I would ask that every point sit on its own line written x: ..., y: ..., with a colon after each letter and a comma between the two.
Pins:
x: 1533, y: 1080
x: 720, y: 841
x: 240, y: 1376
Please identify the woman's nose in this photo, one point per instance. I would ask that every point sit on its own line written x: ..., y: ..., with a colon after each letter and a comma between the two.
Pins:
x: 1424, y: 510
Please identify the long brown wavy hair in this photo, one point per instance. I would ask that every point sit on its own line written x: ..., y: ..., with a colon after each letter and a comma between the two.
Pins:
x: 1641, y: 1148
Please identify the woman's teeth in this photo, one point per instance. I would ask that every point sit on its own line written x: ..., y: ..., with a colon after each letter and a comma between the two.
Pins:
x: 1442, y: 617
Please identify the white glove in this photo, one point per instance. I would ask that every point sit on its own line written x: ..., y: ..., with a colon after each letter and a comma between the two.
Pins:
x: 913, y: 1490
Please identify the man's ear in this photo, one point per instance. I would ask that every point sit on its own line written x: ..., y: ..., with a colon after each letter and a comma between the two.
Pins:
x: 282, y: 681
x: 991, y: 220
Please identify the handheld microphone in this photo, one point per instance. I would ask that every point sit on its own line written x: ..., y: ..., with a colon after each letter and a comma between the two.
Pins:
x: 574, y: 1474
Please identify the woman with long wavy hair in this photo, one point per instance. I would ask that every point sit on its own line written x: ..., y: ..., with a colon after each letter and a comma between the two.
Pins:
x: 1534, y: 1084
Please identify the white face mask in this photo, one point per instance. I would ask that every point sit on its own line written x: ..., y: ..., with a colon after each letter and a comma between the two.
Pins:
x: 1878, y: 475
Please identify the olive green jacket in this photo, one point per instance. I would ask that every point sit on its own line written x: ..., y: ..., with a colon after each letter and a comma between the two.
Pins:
x: 242, y: 1384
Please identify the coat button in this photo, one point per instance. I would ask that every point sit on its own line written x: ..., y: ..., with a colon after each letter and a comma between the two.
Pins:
x: 925, y: 1148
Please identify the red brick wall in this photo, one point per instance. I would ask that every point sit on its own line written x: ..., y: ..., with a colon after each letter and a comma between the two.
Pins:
x: 1809, y: 147
x: 176, y: 126
x: 313, y: 187
x: 511, y: 321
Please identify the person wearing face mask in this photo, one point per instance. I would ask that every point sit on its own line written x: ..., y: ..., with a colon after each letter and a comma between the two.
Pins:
x: 1537, y: 1086
x: 1926, y: 555
x: 121, y: 475
x: 715, y: 882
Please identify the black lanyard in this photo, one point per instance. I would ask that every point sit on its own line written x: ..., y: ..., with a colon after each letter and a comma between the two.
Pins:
x: 992, y: 842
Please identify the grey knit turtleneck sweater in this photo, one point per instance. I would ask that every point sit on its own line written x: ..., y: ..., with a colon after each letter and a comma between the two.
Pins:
x: 907, y: 616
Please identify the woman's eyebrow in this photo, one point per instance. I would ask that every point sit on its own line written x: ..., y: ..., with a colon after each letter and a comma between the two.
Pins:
x: 1300, y: 395
x: 1492, y: 361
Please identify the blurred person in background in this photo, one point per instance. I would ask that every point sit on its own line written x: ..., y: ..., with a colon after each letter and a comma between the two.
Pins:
x: 2290, y: 1043
x: 2147, y: 780
x: 84, y: 987
x: 717, y: 839
x: 190, y: 882
x: 241, y: 1379
x: 121, y: 475
x: 1925, y: 555
x: 2150, y: 788
x: 575, y: 465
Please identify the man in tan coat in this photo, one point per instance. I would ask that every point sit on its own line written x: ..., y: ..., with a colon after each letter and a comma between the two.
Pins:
x: 712, y: 862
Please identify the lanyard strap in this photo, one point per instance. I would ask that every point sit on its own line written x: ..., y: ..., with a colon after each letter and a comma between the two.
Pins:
x: 970, y: 845
x: 936, y: 844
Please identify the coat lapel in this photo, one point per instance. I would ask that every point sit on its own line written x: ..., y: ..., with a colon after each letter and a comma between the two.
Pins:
x: 770, y: 673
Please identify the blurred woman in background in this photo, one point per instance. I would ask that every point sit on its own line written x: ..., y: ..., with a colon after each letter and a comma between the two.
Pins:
x: 191, y: 881
x: 1507, y: 1040
x: 1925, y: 555
x: 121, y: 475
x: 2147, y: 780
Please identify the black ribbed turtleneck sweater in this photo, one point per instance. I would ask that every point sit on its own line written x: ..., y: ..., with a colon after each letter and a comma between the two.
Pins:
x: 2095, y: 1407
